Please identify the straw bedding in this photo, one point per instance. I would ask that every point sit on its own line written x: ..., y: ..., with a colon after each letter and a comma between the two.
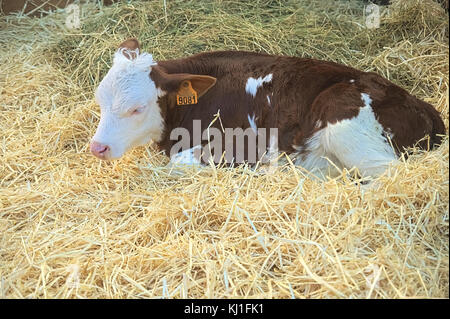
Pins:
x: 75, y: 227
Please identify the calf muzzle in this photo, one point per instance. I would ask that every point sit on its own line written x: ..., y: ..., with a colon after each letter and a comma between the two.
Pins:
x: 100, y: 150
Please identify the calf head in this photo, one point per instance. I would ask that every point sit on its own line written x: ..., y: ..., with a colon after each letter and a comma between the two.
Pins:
x: 129, y: 101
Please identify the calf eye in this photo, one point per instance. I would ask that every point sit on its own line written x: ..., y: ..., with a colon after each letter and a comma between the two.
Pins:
x: 137, y: 110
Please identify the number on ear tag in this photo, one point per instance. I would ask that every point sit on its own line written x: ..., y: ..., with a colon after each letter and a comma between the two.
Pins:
x: 186, y: 94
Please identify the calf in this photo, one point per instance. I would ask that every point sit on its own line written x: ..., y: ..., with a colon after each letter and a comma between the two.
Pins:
x: 317, y: 111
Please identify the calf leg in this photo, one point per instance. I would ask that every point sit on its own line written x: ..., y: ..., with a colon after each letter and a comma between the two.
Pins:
x: 349, y: 135
x: 360, y: 142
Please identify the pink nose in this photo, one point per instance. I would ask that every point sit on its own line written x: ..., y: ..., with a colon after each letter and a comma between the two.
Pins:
x: 99, y: 150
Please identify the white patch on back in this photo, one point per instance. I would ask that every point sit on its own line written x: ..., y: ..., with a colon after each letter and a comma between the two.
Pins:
x: 268, y: 100
x: 356, y: 142
x: 252, y: 123
x: 253, y: 84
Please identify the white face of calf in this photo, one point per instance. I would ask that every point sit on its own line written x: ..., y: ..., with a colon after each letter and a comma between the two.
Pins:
x: 130, y: 115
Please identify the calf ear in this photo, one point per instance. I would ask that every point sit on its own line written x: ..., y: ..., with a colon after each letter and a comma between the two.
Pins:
x: 200, y: 83
x: 174, y: 82
x: 131, y: 46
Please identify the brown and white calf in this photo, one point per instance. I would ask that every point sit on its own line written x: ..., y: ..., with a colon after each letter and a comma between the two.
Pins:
x: 322, y: 111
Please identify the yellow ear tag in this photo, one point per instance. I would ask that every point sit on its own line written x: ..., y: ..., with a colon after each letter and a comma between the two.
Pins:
x: 186, y: 94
